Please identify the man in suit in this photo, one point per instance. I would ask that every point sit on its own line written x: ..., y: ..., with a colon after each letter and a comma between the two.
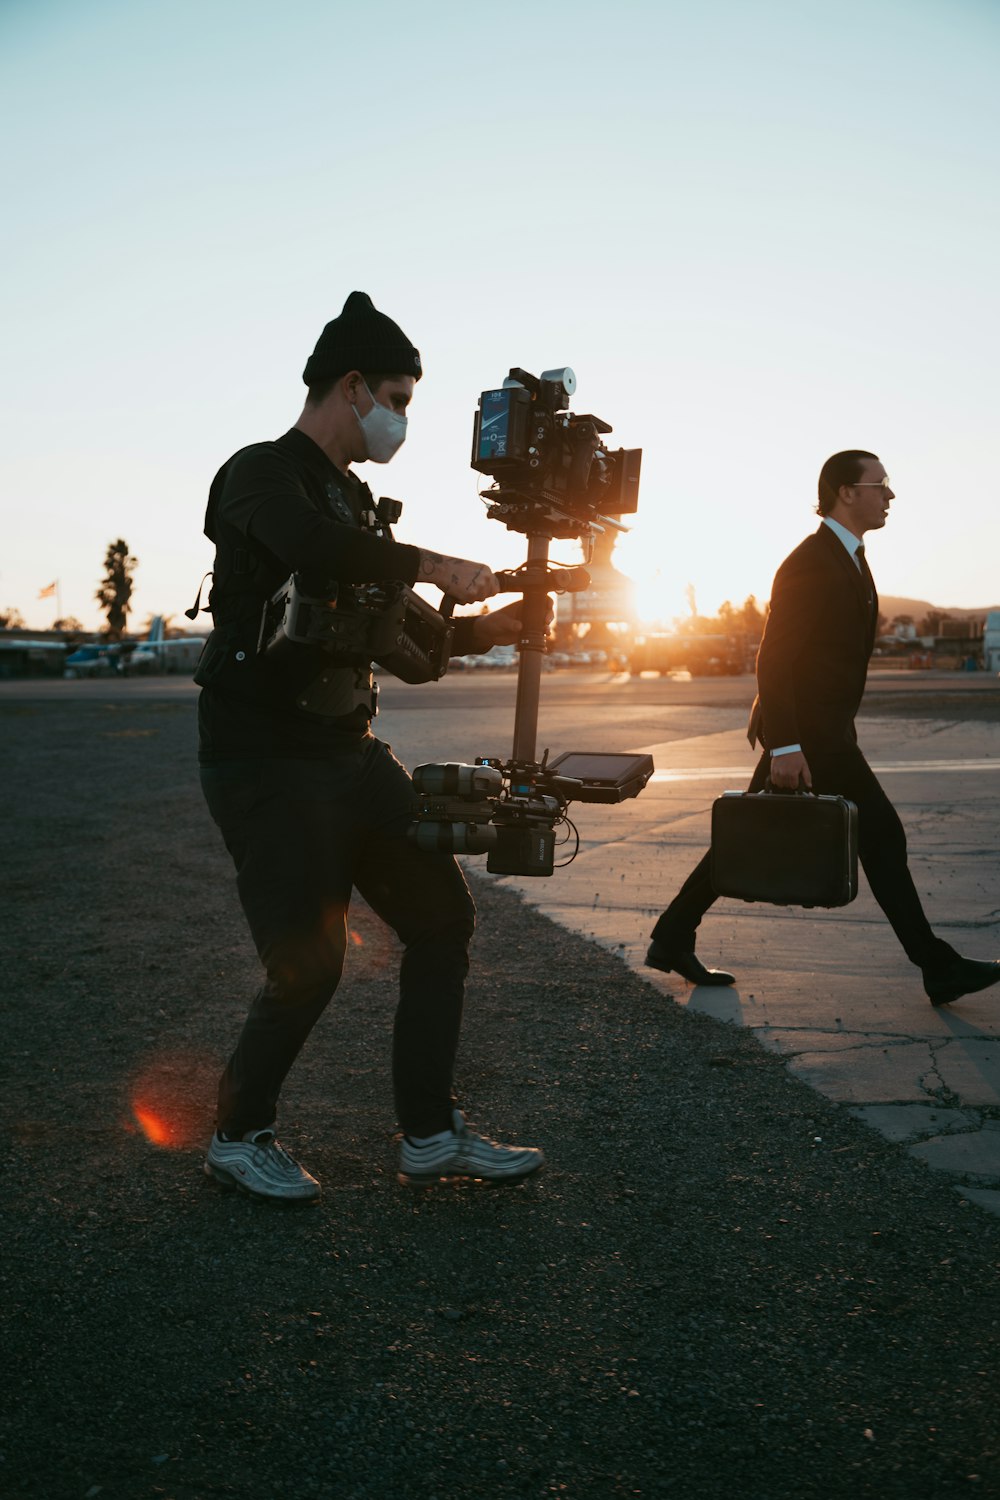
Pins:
x: 811, y: 671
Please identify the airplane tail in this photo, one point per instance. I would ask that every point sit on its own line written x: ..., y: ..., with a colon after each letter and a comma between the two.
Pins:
x: 156, y: 632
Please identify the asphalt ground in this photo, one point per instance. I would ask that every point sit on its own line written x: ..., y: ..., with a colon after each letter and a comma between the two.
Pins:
x: 722, y: 1283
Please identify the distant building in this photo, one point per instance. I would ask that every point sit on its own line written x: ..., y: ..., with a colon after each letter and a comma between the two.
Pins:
x: 23, y: 655
x: 970, y: 628
x: 991, y: 642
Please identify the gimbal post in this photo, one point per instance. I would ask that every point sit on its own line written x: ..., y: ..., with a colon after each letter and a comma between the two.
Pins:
x: 531, y: 647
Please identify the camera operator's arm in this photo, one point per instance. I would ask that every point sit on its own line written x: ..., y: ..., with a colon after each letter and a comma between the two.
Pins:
x: 304, y: 540
x: 260, y: 494
x: 468, y: 582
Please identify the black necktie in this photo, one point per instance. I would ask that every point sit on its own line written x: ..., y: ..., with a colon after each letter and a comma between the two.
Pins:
x: 866, y: 574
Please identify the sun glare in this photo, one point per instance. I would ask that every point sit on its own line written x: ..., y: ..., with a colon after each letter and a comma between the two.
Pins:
x: 658, y: 600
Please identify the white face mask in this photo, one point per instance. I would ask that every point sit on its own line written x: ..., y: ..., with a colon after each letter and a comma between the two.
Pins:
x: 384, y: 431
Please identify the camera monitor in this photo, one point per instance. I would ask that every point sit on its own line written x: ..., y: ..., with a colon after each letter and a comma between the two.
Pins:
x: 606, y: 777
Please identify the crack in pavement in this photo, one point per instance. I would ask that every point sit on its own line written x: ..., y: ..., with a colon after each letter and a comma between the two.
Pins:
x: 878, y: 1037
x: 936, y: 1090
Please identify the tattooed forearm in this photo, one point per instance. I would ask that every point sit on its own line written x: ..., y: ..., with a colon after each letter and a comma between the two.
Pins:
x: 464, y: 579
x: 472, y: 582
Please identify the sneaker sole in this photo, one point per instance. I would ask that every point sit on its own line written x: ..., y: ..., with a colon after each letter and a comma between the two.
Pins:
x: 431, y: 1179
x: 230, y: 1184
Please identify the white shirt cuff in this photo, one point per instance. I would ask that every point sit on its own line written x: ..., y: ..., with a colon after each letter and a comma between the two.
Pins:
x: 785, y: 750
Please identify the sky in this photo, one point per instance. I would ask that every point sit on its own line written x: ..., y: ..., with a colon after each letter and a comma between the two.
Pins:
x: 759, y: 231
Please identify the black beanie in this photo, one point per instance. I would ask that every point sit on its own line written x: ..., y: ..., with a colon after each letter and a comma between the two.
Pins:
x: 362, y: 339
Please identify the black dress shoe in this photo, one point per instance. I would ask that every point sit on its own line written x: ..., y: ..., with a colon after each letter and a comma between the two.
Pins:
x: 687, y: 965
x: 962, y: 976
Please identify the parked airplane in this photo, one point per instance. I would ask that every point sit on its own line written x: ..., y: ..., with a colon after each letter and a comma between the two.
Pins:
x: 95, y: 660
x: 157, y: 654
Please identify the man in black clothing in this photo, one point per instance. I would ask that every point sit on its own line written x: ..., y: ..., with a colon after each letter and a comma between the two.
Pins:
x: 310, y: 804
x: 811, y: 671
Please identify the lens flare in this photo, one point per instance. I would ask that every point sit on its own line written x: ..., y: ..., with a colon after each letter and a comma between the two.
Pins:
x: 156, y: 1130
x: 172, y: 1097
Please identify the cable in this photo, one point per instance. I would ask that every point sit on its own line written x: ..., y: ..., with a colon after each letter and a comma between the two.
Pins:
x: 571, y: 828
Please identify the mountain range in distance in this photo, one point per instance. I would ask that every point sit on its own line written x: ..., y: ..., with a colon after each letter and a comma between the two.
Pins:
x: 892, y: 605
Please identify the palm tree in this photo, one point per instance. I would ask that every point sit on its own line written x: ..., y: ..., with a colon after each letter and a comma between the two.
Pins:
x: 116, y: 588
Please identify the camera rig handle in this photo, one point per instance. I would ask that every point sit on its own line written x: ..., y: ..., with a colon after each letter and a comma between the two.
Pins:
x: 557, y: 580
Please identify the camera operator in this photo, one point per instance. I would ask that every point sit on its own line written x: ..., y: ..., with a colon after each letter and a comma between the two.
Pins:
x: 310, y: 804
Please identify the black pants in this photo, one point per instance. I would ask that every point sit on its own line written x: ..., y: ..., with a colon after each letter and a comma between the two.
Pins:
x: 302, y: 833
x: 881, y: 851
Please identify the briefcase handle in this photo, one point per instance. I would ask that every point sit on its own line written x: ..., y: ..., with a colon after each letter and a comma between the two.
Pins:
x: 786, y: 791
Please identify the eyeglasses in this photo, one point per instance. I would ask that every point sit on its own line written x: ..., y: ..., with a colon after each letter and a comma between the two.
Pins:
x: 873, y: 484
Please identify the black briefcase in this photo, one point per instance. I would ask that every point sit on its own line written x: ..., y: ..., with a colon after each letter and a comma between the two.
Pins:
x: 791, y: 849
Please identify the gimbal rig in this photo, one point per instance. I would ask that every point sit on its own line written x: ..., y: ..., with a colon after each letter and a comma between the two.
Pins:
x: 554, y: 478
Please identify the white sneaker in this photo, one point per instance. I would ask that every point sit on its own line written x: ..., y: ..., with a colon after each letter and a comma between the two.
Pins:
x: 460, y: 1152
x: 259, y: 1166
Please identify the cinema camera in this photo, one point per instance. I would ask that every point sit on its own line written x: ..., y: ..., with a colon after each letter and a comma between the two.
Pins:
x: 553, y: 478
x: 551, y: 468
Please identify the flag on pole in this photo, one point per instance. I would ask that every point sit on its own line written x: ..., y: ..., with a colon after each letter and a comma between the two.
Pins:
x: 48, y: 592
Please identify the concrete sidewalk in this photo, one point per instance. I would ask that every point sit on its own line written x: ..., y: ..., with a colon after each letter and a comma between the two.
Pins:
x: 830, y: 991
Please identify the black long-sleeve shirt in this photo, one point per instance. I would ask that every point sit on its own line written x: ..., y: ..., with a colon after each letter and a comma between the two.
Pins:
x: 263, y: 493
x: 274, y: 509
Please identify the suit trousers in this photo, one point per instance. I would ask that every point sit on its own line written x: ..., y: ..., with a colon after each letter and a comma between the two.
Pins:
x: 881, y: 851
x: 302, y: 834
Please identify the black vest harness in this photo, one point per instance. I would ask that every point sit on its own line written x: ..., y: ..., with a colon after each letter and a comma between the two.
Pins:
x: 245, y: 577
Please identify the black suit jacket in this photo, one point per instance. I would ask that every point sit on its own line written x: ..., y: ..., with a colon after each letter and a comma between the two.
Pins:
x: 813, y: 658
